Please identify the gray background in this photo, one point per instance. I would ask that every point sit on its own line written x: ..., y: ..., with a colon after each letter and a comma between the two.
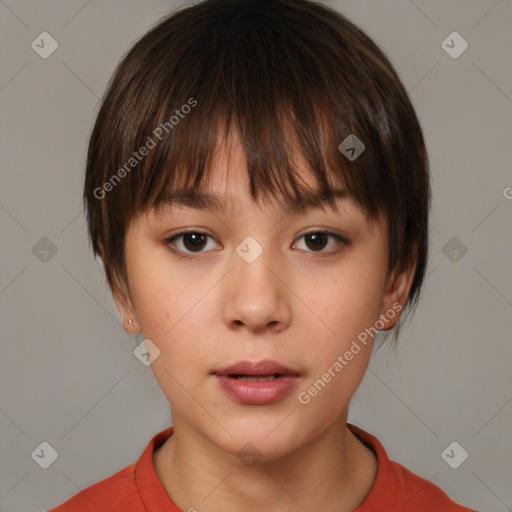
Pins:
x: 68, y: 373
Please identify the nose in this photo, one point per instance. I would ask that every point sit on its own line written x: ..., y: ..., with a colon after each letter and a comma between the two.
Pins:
x: 256, y: 298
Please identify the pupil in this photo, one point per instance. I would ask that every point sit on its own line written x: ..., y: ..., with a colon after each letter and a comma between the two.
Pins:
x: 318, y: 240
x: 194, y: 241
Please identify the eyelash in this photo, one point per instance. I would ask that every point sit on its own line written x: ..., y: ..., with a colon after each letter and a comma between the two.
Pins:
x: 189, y: 255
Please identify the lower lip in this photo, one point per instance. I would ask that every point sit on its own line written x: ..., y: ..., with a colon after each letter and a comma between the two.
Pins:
x: 263, y: 392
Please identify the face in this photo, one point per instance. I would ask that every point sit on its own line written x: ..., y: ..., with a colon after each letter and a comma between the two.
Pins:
x: 263, y: 319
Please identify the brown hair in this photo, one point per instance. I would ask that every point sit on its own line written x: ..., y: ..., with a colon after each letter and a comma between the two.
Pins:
x: 266, y: 68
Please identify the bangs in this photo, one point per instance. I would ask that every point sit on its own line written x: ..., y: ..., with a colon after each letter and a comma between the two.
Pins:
x: 278, y: 162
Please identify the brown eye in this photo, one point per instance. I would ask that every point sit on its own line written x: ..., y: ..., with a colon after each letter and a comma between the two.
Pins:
x: 316, y: 241
x: 188, y: 243
x: 194, y: 241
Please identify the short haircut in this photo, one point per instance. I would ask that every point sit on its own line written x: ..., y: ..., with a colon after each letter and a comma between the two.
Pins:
x: 287, y: 76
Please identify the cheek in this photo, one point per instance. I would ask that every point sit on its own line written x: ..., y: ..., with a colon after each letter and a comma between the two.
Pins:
x: 171, y: 318
x: 350, y: 303
x: 349, y: 306
x: 161, y: 295
x: 175, y: 314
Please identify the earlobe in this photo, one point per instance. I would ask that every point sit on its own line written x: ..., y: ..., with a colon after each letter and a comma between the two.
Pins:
x: 133, y: 326
x: 125, y: 308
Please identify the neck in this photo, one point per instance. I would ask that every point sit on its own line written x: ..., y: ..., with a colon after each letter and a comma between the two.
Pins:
x: 334, y: 472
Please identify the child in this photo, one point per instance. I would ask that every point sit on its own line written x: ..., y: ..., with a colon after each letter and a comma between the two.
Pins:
x: 257, y: 188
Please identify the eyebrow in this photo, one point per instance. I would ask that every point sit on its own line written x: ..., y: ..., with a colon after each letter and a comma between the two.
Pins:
x: 199, y: 200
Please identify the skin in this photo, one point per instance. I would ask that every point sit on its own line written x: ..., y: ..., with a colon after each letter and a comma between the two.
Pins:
x: 295, y: 304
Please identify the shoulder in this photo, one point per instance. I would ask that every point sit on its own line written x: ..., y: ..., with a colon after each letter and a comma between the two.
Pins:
x: 112, y: 493
x: 416, y: 494
x: 135, y: 488
x: 397, y: 488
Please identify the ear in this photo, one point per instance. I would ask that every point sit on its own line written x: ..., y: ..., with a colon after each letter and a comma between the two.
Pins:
x: 125, y: 306
x: 396, y: 292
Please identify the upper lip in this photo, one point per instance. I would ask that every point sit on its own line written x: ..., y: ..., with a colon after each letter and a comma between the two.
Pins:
x: 266, y: 367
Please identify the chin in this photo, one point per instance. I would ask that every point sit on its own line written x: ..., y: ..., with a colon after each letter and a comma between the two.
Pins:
x: 264, y: 440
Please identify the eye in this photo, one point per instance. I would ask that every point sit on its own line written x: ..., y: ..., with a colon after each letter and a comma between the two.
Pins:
x: 189, y: 242
x: 317, y: 241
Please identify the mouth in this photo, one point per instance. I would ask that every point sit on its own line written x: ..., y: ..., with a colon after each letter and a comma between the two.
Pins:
x: 254, y: 378
x: 259, y: 370
x: 257, y: 383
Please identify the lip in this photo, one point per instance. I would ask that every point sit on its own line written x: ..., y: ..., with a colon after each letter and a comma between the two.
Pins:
x: 263, y: 392
x: 256, y: 368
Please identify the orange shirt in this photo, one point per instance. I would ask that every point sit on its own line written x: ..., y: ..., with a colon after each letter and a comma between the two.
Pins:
x: 136, y: 488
